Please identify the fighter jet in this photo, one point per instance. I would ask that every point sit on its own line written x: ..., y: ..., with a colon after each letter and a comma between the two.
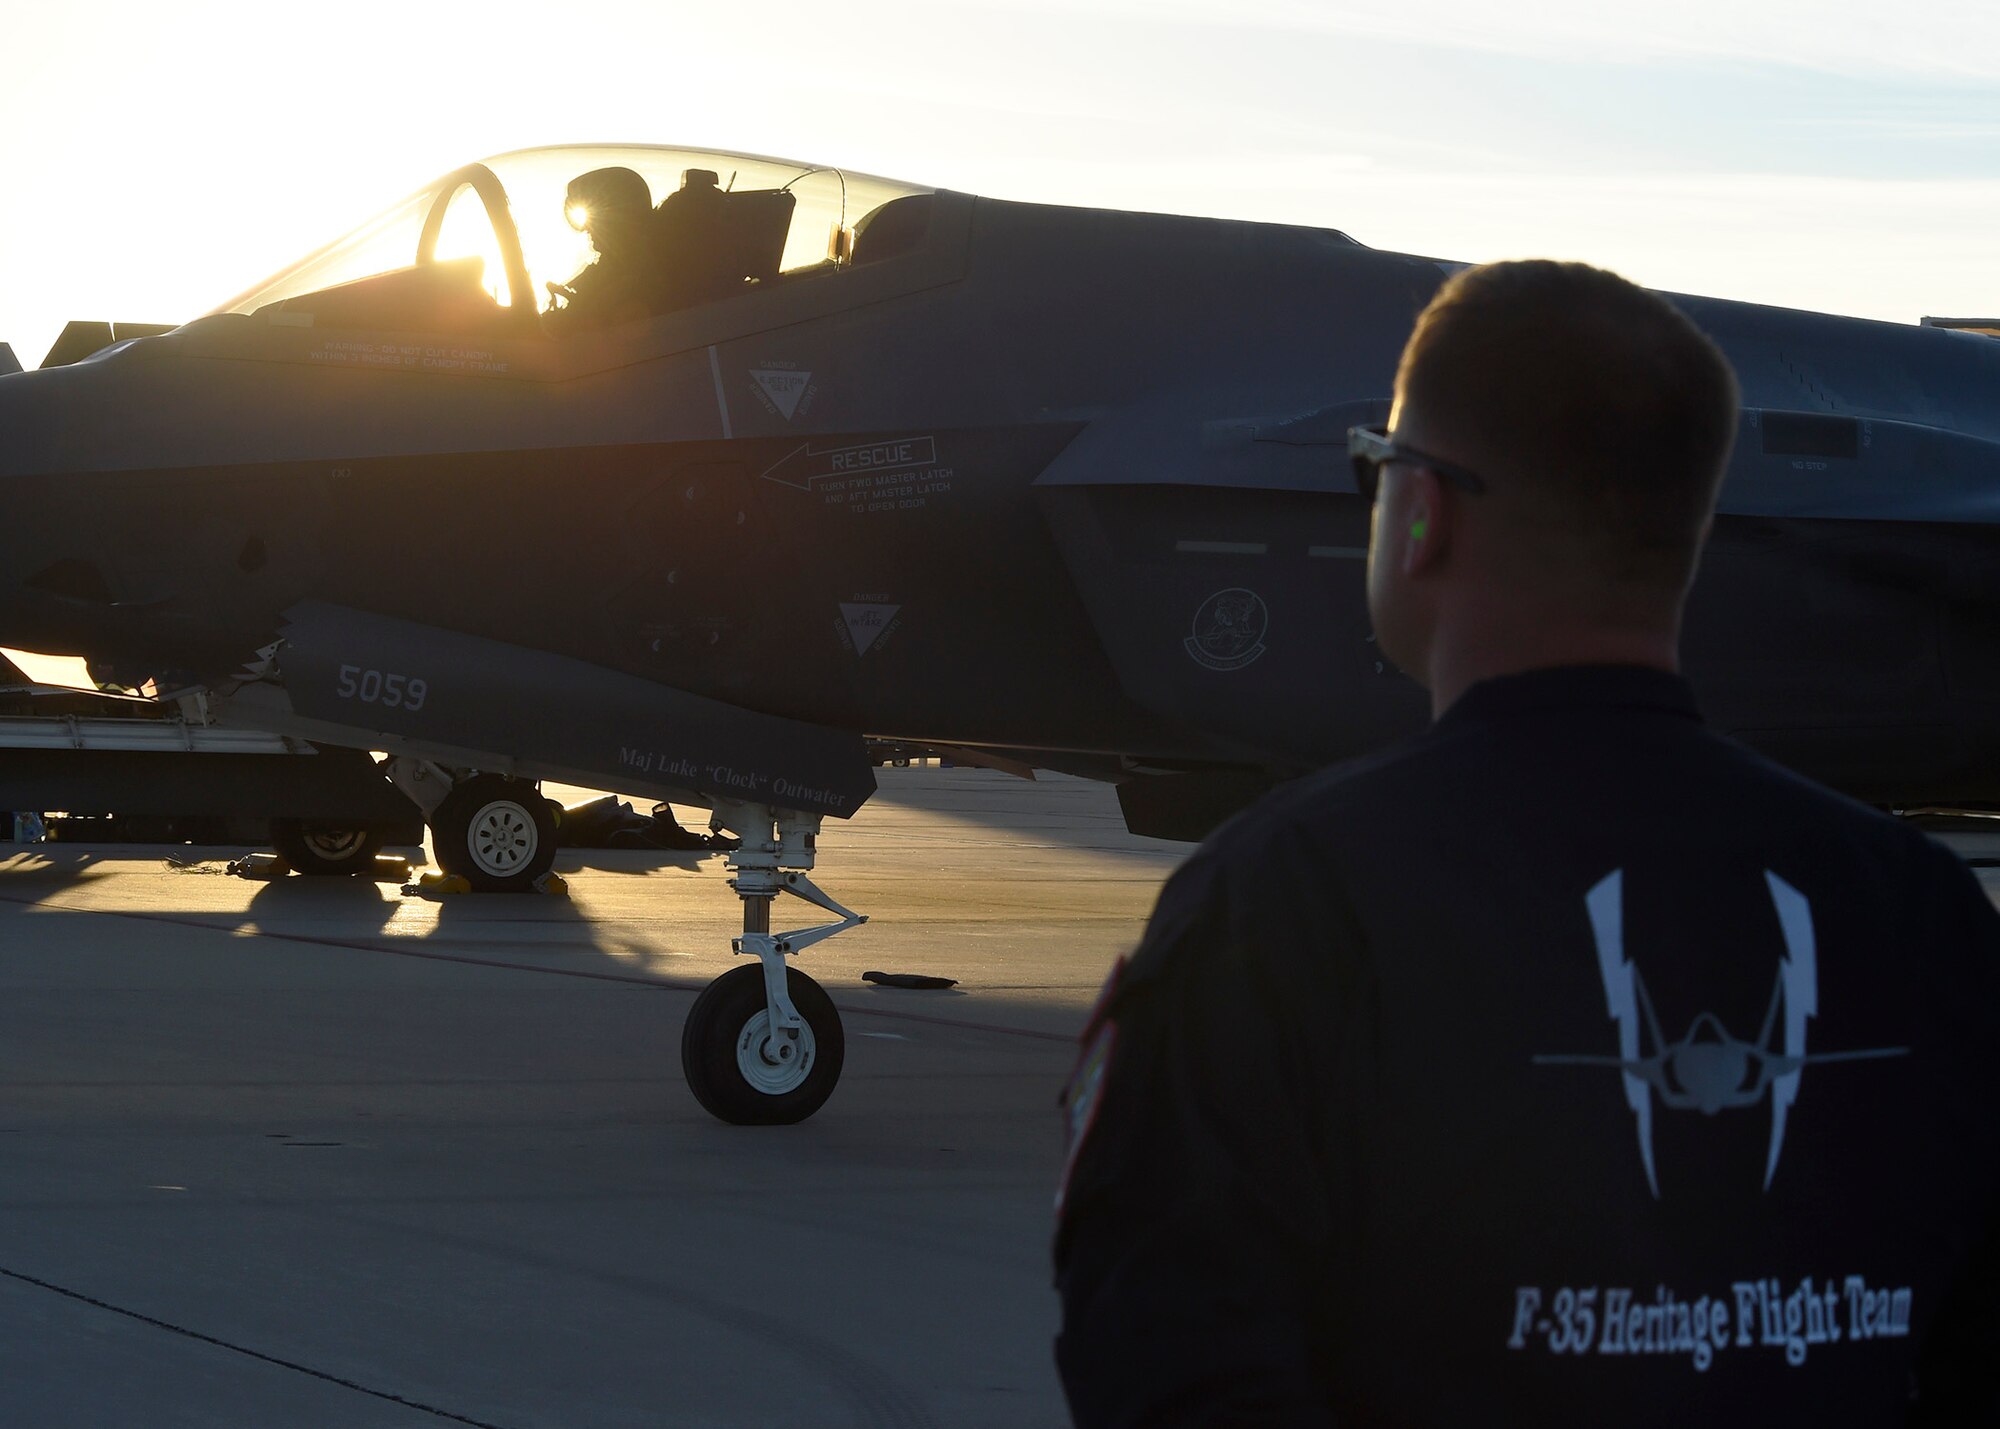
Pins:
x: 688, y: 473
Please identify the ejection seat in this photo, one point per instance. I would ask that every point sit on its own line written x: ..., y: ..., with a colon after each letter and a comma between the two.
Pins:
x: 709, y: 244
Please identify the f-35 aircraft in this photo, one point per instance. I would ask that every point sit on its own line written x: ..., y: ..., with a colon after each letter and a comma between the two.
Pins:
x: 811, y: 457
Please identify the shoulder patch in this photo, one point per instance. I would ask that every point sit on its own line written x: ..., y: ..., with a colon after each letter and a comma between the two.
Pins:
x: 1086, y: 1080
x: 1105, y: 995
x: 1083, y: 1096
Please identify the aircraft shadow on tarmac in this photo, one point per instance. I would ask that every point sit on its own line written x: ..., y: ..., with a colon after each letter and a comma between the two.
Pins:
x: 357, y: 912
x: 1025, y: 892
x: 356, y: 903
x: 636, y: 861
x: 1053, y: 810
x: 34, y: 872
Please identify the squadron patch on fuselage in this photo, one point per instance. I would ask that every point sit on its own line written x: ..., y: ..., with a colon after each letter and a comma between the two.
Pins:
x: 1228, y: 630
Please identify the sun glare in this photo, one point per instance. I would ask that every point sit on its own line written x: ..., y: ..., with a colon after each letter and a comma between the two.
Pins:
x: 468, y: 233
x: 63, y: 671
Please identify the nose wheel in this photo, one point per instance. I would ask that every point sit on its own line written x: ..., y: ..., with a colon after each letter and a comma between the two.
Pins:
x: 763, y: 1045
x: 743, y: 1071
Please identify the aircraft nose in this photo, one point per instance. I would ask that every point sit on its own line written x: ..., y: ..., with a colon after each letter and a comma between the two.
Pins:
x: 26, y: 428
x: 170, y: 572
x: 29, y: 416
x: 47, y: 551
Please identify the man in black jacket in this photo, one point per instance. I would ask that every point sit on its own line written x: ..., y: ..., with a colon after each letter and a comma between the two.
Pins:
x: 1567, y: 1064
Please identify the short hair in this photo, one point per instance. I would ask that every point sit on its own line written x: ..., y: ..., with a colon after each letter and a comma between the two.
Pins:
x: 1607, y: 409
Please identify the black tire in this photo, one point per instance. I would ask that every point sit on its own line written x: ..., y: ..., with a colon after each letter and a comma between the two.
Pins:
x: 324, y: 850
x: 496, y: 833
x: 727, y: 1018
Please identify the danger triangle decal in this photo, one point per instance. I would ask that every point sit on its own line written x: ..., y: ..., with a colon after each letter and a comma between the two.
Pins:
x: 784, y: 387
x: 867, y: 623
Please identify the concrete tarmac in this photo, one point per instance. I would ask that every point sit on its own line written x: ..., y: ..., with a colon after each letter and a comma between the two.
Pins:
x: 316, y: 1152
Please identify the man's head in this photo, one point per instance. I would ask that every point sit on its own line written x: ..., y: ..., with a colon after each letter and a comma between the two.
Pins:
x: 611, y: 205
x: 1596, y: 421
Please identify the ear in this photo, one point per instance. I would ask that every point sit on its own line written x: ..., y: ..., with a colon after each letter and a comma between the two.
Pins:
x: 1428, y: 535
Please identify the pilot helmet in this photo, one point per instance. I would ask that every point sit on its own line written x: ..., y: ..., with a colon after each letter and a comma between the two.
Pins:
x: 605, y: 191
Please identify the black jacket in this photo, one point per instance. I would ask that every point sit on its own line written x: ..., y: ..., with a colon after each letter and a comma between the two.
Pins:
x: 1568, y: 1064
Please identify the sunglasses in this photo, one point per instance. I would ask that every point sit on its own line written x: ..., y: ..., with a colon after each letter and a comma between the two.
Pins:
x: 1369, y: 449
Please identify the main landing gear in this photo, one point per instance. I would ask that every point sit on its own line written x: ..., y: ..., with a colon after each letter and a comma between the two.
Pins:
x: 497, y: 833
x: 763, y: 1045
x: 325, y: 849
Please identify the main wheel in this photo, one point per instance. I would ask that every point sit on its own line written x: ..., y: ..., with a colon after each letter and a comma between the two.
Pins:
x: 499, y: 834
x: 739, y: 1072
x: 323, y: 849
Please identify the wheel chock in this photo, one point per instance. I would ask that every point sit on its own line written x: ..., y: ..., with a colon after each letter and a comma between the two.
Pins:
x: 552, y: 883
x: 389, y: 868
x: 263, y: 867
x: 436, y: 885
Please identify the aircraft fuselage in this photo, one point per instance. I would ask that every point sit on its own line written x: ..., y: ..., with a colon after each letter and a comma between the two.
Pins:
x: 1053, y: 480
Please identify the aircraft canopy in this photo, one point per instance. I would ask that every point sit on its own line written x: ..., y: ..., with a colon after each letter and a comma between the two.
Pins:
x: 477, y: 247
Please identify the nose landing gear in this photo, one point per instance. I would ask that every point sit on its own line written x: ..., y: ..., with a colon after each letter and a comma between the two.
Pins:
x: 763, y: 1045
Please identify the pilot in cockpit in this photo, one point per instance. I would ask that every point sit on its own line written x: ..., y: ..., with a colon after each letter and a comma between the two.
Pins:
x: 615, y: 207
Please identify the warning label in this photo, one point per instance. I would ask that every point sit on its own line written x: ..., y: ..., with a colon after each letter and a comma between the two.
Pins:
x: 902, y: 474
x: 887, y: 490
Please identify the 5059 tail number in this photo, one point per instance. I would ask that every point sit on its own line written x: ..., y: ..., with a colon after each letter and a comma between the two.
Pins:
x: 381, y: 687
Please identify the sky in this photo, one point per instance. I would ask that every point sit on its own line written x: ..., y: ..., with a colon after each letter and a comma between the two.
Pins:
x: 156, y: 160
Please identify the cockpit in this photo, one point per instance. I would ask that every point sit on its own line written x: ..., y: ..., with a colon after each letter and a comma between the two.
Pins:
x: 494, y: 248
